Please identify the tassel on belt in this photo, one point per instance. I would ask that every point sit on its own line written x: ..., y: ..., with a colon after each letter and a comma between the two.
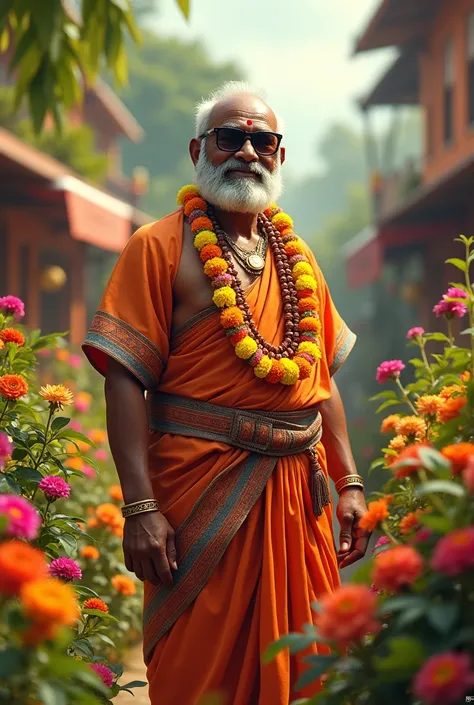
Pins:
x: 277, y: 434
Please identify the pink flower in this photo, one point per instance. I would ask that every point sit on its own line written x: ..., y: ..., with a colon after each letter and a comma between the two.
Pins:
x: 444, y: 679
x: 423, y: 534
x: 65, y: 568
x: 101, y: 455
x: 75, y: 425
x: 454, y: 553
x: 88, y: 471
x: 455, y: 292
x: 44, y: 352
x: 75, y: 361
x: 81, y: 405
x: 468, y: 475
x: 23, y: 519
x: 55, y: 487
x: 104, y: 673
x: 416, y: 332
x: 390, y: 369
x: 6, y: 449
x: 383, y: 541
x: 12, y: 306
x: 451, y: 309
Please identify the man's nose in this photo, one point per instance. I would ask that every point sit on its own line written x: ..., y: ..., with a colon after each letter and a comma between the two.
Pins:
x: 247, y: 152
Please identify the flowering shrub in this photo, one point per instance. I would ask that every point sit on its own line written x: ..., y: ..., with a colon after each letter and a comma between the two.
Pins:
x: 403, y: 631
x: 57, y: 616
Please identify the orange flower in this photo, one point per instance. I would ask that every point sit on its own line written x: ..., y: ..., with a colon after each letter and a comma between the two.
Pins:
x: 194, y: 204
x: 108, y: 514
x: 93, y: 523
x: 50, y: 601
x: 410, y: 453
x: 396, y: 567
x: 13, y: 387
x: 2, y: 344
x: 310, y: 323
x: 62, y: 355
x: 232, y: 317
x: 276, y: 373
x: 209, y: 252
x: 458, y: 455
x: 98, y: 435
x: 115, y: 491
x: 377, y: 511
x: 307, y: 304
x: 39, y: 632
x: 412, y: 427
x: 117, y: 529
x: 429, y: 404
x: 95, y: 603
x: 451, y: 408
x: 124, y: 585
x: 348, y: 614
x: 57, y: 394
x: 19, y: 563
x: 75, y: 463
x: 202, y: 223
x: 466, y: 376
x: 450, y: 390
x: 305, y: 367
x: 411, y: 521
x: 389, y: 423
x: 398, y: 443
x: 90, y: 553
x: 12, y: 335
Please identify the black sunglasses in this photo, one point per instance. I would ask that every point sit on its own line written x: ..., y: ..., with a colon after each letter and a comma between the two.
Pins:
x: 232, y: 139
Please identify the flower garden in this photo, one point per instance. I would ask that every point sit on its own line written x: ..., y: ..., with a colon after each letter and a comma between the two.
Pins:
x: 402, y: 631
x: 69, y: 610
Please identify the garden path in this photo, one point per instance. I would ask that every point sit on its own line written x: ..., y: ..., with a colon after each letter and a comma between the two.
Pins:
x: 134, y: 671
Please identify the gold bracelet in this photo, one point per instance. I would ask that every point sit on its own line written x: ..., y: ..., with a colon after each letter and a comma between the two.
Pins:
x: 144, y: 505
x: 349, y: 481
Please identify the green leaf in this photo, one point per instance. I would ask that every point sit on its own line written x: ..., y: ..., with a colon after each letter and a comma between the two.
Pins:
x: 363, y: 575
x: 437, y: 337
x: 58, y: 423
x: 84, y: 647
x: 45, y: 17
x: 71, y: 434
x: 459, y: 263
x: 388, y: 403
x: 184, y: 6
x: 106, y: 640
x: 387, y: 394
x: 8, y: 485
x: 102, y: 615
x: 433, y: 460
x: 39, y: 96
x: 406, y: 654
x: 27, y: 474
x: 11, y: 661
x: 68, y: 543
x: 443, y: 616
x: 468, y: 331
x: 402, y: 602
x: 322, y: 664
x: 50, y: 694
x: 295, y: 642
x: 439, y: 524
x: 443, y: 486
x: 135, y: 684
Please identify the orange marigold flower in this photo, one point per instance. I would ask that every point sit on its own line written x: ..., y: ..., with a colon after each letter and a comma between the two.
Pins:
x: 13, y: 387
x: 202, y: 223
x: 348, y: 614
x: 214, y: 267
x: 117, y: 529
x: 19, y: 563
x: 451, y: 390
x: 451, y: 408
x: 2, y: 344
x: 304, y: 366
x: 458, y: 454
x: 232, y: 317
x: 39, y: 632
x: 294, y: 248
x: 389, y: 423
x: 376, y: 512
x: 429, y: 404
x: 308, y: 303
x: 57, y: 394
x: 276, y: 373
x: 12, y: 335
x: 93, y: 523
x: 95, y: 603
x: 410, y: 454
x: 466, y: 376
x: 194, y: 204
x: 411, y: 521
x: 50, y: 601
x: 310, y: 323
x: 62, y: 355
x: 396, y: 568
x: 98, y: 435
x: 412, y: 427
x: 124, y: 585
x: 90, y: 553
x: 209, y: 252
x: 398, y: 443
x: 108, y: 514
x: 75, y: 463
x: 115, y: 491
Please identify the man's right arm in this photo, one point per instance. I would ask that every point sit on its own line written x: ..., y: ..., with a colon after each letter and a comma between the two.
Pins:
x: 148, y: 542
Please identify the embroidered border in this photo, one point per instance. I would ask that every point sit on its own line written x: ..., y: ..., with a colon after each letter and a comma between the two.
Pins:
x: 201, y: 542
x: 126, y: 345
x: 345, y: 341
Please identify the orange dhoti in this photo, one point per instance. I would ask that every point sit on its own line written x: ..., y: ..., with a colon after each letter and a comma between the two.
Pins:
x: 254, y: 555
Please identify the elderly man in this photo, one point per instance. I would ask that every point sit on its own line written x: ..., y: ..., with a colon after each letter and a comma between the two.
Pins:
x: 219, y: 340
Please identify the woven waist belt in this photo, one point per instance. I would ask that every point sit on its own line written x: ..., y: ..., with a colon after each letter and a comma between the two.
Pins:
x: 276, y: 434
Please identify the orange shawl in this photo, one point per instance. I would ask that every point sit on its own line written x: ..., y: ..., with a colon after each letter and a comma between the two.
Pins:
x: 282, y: 558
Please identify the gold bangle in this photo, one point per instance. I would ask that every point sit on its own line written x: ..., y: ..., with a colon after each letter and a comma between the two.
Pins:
x: 144, y: 505
x: 349, y: 481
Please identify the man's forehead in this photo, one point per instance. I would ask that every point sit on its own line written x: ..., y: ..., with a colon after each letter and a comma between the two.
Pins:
x: 243, y: 108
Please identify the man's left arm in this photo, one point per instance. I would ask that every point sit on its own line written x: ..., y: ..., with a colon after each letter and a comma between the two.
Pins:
x: 340, y: 461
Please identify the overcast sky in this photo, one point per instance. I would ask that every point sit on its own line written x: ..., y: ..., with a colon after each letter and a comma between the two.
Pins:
x: 298, y: 50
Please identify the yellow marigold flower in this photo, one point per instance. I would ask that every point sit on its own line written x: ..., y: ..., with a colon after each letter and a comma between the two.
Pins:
x: 282, y: 221
x: 263, y: 368
x: 246, y: 348
x: 225, y: 296
x: 292, y: 371
x: 411, y: 426
x: 205, y: 237
x: 215, y: 266
x: 306, y: 282
x: 190, y: 188
x: 115, y: 491
x: 389, y: 424
x: 124, y: 585
x: 376, y: 512
x: 398, y: 443
x: 57, y: 394
x: 310, y: 348
x: 451, y: 390
x: 301, y: 268
x: 49, y: 600
x: 429, y: 404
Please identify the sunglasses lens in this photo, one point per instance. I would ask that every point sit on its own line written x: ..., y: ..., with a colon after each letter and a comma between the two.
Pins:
x: 230, y: 139
x: 265, y: 143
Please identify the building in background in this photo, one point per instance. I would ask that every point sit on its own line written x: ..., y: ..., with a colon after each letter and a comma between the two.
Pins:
x: 399, y: 261
x: 59, y: 233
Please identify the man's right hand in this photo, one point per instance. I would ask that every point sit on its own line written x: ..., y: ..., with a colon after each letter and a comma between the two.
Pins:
x: 149, y: 548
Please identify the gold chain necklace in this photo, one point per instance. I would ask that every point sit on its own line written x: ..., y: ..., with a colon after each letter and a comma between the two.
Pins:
x: 252, y: 261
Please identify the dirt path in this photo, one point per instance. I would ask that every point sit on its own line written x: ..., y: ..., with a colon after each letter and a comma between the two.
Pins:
x: 134, y: 671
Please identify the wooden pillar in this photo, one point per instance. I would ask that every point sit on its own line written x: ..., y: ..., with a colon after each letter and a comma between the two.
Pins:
x: 34, y: 274
x: 77, y: 304
x: 13, y: 271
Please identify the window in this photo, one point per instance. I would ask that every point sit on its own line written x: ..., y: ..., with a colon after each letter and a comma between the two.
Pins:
x: 448, y: 91
x: 470, y: 68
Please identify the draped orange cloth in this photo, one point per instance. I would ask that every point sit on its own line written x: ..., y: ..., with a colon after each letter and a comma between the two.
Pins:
x: 281, y: 558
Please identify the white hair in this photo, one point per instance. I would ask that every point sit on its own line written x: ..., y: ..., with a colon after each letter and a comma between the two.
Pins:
x: 227, y: 90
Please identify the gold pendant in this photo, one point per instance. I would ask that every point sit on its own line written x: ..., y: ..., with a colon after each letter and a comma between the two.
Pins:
x: 255, y: 262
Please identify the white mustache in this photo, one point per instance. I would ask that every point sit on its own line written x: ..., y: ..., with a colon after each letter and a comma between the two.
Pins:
x: 252, y: 167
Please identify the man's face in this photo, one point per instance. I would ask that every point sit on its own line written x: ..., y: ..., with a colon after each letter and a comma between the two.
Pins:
x: 241, y: 181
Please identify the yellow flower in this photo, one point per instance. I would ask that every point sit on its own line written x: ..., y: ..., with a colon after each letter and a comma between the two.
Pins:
x: 306, y: 281
x: 183, y: 192
x: 389, y: 424
x: 225, y: 296
x: 292, y: 371
x: 215, y: 266
x: 310, y: 348
x: 411, y: 426
x: 398, y: 443
x: 282, y: 220
x: 246, y: 348
x: 57, y: 394
x: 301, y: 268
x: 263, y: 368
x: 205, y: 237
x: 429, y: 404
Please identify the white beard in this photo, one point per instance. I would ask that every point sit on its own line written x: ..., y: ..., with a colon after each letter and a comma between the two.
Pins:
x: 236, y: 195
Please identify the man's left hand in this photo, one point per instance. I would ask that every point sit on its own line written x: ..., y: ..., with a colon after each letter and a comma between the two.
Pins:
x: 353, y: 541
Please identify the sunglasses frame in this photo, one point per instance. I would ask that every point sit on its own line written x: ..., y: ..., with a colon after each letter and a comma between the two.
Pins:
x: 247, y: 136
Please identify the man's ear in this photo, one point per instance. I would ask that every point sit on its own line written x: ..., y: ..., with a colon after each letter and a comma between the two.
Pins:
x: 282, y: 155
x: 194, y: 150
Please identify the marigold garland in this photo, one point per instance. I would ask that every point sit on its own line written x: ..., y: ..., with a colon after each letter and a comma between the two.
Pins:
x: 287, y: 370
